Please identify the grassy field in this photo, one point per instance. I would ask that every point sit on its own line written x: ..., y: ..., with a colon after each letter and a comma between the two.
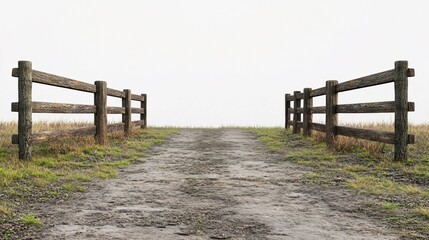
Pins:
x: 60, y: 168
x: 399, y: 191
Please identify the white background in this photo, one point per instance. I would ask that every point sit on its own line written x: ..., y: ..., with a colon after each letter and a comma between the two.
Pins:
x: 214, y: 63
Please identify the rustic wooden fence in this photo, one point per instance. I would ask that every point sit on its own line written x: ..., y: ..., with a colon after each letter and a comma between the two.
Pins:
x: 400, y: 106
x: 26, y: 107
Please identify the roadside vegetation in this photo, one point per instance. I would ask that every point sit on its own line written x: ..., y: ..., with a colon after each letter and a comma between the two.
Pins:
x: 398, y: 191
x: 60, y: 168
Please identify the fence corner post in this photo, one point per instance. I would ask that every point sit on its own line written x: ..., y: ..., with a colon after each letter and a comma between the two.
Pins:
x: 101, y: 112
x: 25, y: 109
x: 143, y: 116
x: 287, y: 113
x: 126, y: 117
x: 308, y: 118
x: 296, y: 115
x: 331, y: 115
x: 401, y: 110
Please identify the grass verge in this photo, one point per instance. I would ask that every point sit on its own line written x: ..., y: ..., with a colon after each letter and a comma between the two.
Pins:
x: 60, y: 168
x: 399, y: 191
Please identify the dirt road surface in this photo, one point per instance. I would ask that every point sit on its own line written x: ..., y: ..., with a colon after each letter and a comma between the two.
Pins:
x: 210, y: 184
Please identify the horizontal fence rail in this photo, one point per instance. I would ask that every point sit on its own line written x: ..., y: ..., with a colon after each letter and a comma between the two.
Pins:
x: 400, y: 106
x: 26, y: 107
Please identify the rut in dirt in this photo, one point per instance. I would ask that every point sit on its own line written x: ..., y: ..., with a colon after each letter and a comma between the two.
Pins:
x: 209, y: 184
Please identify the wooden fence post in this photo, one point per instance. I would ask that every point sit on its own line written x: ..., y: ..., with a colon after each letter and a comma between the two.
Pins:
x: 25, y: 123
x: 126, y: 118
x: 296, y: 115
x: 287, y: 113
x: 308, y: 118
x: 101, y: 112
x: 401, y: 110
x: 331, y: 115
x: 143, y: 116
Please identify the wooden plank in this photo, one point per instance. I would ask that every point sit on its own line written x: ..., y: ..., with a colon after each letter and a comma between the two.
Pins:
x: 372, y: 135
x: 296, y: 115
x: 136, y: 97
x: 300, y: 124
x: 137, y: 110
x: 299, y: 110
x: 115, y: 110
x: 46, y: 107
x: 401, y: 111
x: 331, y: 115
x: 318, y: 127
x: 143, y: 116
x: 376, y: 107
x: 25, y: 122
x: 308, y: 117
x: 287, y: 111
x: 63, y: 82
x: 115, y: 93
x: 57, y: 81
x: 138, y: 123
x: 290, y: 97
x: 127, y: 115
x: 101, y: 112
x: 318, y: 110
x: 367, y: 81
x: 318, y: 92
x: 299, y: 96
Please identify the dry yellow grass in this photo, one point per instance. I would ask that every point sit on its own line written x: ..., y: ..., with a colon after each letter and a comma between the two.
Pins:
x: 421, y: 131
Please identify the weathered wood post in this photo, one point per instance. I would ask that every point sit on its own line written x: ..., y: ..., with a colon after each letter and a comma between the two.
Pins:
x: 126, y: 117
x: 143, y: 116
x: 287, y: 113
x: 296, y: 115
x: 331, y: 115
x: 25, y: 123
x: 100, y: 112
x: 308, y: 117
x: 401, y: 110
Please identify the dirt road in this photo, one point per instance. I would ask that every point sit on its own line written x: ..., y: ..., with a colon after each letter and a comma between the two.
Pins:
x: 210, y: 184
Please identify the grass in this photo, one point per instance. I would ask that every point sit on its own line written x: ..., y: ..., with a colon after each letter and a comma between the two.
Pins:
x: 61, y: 167
x: 31, y: 220
x: 399, y: 189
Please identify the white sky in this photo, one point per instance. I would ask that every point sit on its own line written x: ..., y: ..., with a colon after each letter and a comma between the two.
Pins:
x: 214, y: 63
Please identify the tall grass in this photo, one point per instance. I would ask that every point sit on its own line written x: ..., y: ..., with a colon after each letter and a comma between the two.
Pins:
x: 377, y: 149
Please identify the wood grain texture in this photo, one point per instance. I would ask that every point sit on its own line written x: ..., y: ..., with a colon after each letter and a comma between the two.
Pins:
x: 296, y: 115
x: 290, y: 97
x: 25, y: 122
x: 318, y: 110
x: 307, y: 116
x: 376, y: 107
x: 318, y: 127
x: 401, y: 110
x: 127, y: 115
x: 46, y: 107
x: 63, y: 82
x: 331, y: 116
x: 287, y: 111
x: 367, y: 81
x: 136, y: 97
x: 143, y: 116
x: 318, y: 92
x: 101, y: 112
x: 372, y: 135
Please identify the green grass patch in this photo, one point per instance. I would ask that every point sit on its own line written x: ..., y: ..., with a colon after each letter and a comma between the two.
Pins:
x: 380, y: 186
x: 31, y: 220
